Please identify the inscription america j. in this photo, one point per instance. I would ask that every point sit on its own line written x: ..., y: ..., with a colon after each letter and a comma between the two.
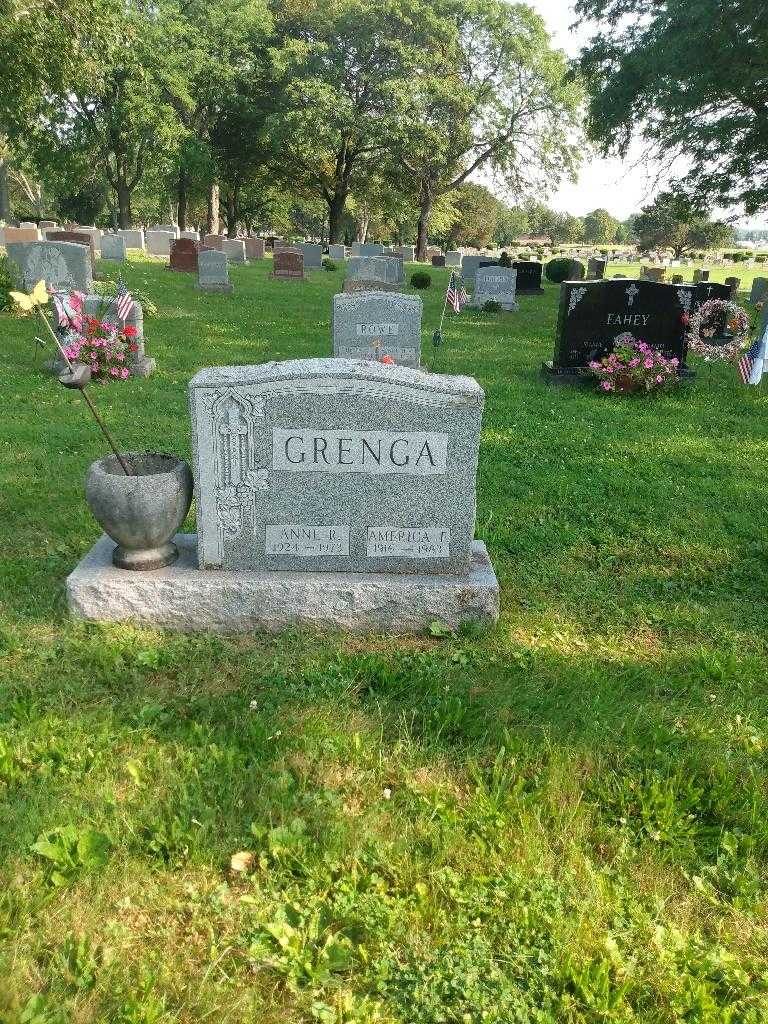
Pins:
x: 414, y: 453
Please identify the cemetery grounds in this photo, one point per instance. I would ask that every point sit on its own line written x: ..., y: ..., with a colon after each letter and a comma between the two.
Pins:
x: 564, y: 819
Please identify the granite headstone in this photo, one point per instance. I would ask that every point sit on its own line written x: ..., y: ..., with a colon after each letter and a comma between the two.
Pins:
x: 213, y: 271
x: 375, y: 324
x: 64, y: 266
x: 495, y: 284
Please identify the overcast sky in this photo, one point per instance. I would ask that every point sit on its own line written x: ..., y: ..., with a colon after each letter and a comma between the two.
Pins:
x: 620, y: 187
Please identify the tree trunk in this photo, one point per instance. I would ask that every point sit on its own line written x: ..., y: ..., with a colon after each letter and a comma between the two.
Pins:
x: 425, y: 213
x: 123, y: 203
x: 231, y: 213
x: 336, y: 205
x: 212, y: 221
x: 5, y: 206
x: 181, y: 196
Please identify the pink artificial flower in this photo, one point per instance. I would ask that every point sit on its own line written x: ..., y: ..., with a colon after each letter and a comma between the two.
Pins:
x: 125, y: 373
x: 659, y: 379
x: 634, y: 362
x: 594, y: 365
x: 608, y: 369
x: 674, y: 362
x: 94, y: 367
x: 607, y: 385
x: 648, y: 364
x: 120, y: 356
x: 114, y: 371
x: 94, y: 355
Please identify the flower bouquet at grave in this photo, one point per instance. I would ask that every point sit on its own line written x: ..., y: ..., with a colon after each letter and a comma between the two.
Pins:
x: 718, y: 329
x: 634, y: 366
x: 101, y: 345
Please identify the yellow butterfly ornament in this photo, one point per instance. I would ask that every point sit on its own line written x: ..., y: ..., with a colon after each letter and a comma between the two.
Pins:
x: 37, y: 297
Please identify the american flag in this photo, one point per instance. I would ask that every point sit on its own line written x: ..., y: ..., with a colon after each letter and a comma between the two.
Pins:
x: 67, y: 307
x: 752, y: 363
x: 123, y: 302
x: 452, y: 295
x: 463, y: 296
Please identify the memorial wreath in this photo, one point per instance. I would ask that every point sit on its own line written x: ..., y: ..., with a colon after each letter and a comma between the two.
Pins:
x: 718, y: 329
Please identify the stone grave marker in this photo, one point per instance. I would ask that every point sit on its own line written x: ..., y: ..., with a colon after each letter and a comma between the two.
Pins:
x: 495, y: 284
x: 700, y: 275
x: 234, y: 249
x: 79, y: 237
x: 171, y: 229
x: 438, y: 261
x: 453, y: 258
x: 313, y: 256
x: 337, y: 252
x: 734, y: 283
x: 213, y: 242
x: 381, y: 273
x: 678, y: 279
x: 13, y: 235
x: 134, y: 238
x: 596, y: 268
x: 185, y: 254
x: 159, y: 242
x: 64, y: 266
x: 331, y: 493
x: 367, y: 249
x: 374, y: 324
x: 48, y: 225
x: 408, y: 253
x: 254, y: 248
x: 528, y: 276
x: 288, y: 265
x: 113, y: 247
x: 593, y: 314
x: 194, y: 235
x: 759, y: 290
x: 706, y: 290
x: 658, y: 274
x: 471, y: 263
x: 335, y: 465
x: 213, y: 271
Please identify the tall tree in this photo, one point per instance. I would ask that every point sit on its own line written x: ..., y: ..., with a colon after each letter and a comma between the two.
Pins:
x: 494, y: 96
x: 600, y: 227
x: 345, y: 67
x: 673, y: 222
x: 691, y: 78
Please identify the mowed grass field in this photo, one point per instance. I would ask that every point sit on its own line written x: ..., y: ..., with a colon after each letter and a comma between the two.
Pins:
x: 562, y: 820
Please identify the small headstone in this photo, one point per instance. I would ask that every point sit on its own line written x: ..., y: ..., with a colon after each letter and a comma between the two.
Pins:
x: 700, y: 275
x: 677, y: 279
x: 734, y: 283
x: 313, y: 256
x: 185, y: 254
x: 234, y: 249
x: 171, y: 229
x: 335, y: 465
x: 759, y: 290
x: 11, y: 235
x: 528, y: 276
x: 596, y: 269
x: 288, y: 265
x: 453, y: 258
x: 382, y: 273
x: 408, y: 253
x: 213, y: 271
x: 254, y: 249
x: 213, y: 242
x: 79, y: 237
x: 470, y: 265
x: 593, y: 314
x: 28, y: 224
x: 113, y: 248
x: 134, y: 238
x: 337, y: 252
x: 495, y: 284
x: 194, y: 235
x: 64, y: 266
x: 48, y: 225
x: 375, y: 324
x: 658, y: 274
x: 368, y: 249
x: 159, y: 242
x: 438, y: 261
x: 430, y: 254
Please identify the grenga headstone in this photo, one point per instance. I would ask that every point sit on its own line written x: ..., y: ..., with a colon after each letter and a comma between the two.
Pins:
x: 335, y: 465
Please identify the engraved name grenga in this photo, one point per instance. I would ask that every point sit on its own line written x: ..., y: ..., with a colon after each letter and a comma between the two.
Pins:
x: 415, y: 453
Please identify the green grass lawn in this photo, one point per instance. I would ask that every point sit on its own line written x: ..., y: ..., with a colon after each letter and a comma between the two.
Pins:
x: 563, y: 820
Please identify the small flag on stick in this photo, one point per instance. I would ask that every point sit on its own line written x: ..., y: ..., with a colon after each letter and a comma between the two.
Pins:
x: 452, y: 295
x: 752, y: 363
x: 463, y: 296
x: 123, y: 301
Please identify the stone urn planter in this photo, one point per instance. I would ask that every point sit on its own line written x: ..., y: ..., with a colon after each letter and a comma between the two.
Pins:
x: 143, y: 511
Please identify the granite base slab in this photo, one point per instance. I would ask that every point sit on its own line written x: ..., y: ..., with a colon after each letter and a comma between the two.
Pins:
x: 185, y: 598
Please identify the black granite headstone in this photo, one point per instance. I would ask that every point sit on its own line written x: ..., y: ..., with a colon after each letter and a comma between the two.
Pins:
x: 711, y: 290
x: 438, y: 261
x: 528, y: 277
x: 596, y: 268
x: 593, y: 314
